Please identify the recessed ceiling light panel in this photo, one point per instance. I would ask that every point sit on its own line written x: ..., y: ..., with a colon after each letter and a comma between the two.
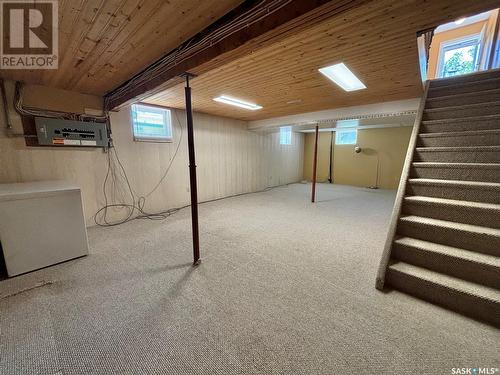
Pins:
x: 342, y: 76
x: 237, y: 102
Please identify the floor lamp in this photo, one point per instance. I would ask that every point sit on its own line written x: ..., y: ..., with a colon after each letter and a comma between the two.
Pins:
x: 358, y: 150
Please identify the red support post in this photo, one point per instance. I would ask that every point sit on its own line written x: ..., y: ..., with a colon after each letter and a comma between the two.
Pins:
x: 192, y: 174
x: 315, y: 161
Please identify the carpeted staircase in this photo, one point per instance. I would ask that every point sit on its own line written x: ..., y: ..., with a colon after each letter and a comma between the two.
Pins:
x: 444, y: 239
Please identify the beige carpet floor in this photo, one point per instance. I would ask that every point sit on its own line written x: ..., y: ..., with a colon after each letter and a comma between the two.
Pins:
x: 285, y: 287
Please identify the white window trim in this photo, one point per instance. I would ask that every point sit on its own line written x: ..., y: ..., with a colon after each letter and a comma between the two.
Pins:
x: 287, y: 129
x: 451, y: 42
x: 152, y: 139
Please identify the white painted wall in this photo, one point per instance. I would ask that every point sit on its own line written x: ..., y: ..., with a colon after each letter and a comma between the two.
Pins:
x: 230, y: 159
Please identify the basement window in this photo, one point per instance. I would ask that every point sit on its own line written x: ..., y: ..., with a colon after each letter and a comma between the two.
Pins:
x: 346, y: 137
x: 286, y: 135
x: 153, y: 124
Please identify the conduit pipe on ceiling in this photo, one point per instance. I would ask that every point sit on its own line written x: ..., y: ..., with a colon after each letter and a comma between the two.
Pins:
x: 23, y: 111
x: 30, y: 111
x: 198, y: 43
x: 8, y: 122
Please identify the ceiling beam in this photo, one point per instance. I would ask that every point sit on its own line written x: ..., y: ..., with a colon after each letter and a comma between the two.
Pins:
x: 264, y: 20
x: 383, y: 109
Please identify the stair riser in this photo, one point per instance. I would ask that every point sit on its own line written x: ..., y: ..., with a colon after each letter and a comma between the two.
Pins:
x: 466, y: 78
x: 470, y: 305
x: 460, y: 126
x: 483, y: 110
x: 479, y: 273
x: 486, y: 244
x: 458, y: 156
x: 466, y: 215
x: 454, y: 90
x: 479, y: 97
x: 463, y: 174
x: 453, y: 192
x: 492, y: 139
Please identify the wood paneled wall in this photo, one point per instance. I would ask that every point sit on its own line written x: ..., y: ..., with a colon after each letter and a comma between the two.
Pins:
x: 230, y: 160
x: 387, y: 145
x: 323, y: 166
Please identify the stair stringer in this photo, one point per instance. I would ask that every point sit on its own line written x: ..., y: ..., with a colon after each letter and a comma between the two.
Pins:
x: 398, y: 204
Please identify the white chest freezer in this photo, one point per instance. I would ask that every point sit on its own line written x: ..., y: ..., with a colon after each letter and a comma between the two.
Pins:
x: 41, y: 224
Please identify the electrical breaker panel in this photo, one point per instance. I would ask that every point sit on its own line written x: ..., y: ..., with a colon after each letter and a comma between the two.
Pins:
x: 56, y: 132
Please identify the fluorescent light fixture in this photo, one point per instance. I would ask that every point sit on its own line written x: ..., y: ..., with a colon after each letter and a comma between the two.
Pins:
x: 460, y: 21
x: 342, y: 76
x: 237, y: 102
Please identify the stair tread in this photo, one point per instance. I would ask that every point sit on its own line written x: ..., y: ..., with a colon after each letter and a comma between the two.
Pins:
x: 454, y: 84
x: 453, y: 165
x: 464, y: 95
x: 460, y: 133
x: 451, y: 225
x: 433, y: 181
x: 452, y: 202
x: 463, y: 106
x: 478, y: 75
x: 437, y: 236
x: 462, y: 119
x: 459, y: 148
x: 447, y: 281
x: 450, y: 251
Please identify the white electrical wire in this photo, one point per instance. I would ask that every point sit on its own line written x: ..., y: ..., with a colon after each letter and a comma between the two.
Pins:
x: 121, y: 186
x: 26, y: 111
x: 183, y: 52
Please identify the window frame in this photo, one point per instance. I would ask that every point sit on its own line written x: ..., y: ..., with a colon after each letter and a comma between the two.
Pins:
x: 345, y: 130
x: 153, y: 139
x: 465, y: 41
x: 286, y: 134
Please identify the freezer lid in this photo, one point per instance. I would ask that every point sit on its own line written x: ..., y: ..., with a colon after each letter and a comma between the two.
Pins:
x: 35, y: 189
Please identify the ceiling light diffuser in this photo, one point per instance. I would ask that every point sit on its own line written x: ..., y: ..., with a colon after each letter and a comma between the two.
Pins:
x: 342, y: 76
x: 237, y: 102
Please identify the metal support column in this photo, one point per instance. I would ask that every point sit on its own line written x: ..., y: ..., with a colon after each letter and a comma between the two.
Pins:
x: 192, y: 173
x: 330, y: 174
x: 315, y: 161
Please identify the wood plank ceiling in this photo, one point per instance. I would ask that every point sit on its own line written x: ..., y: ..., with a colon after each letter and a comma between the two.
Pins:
x: 376, y: 40
x: 102, y: 43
